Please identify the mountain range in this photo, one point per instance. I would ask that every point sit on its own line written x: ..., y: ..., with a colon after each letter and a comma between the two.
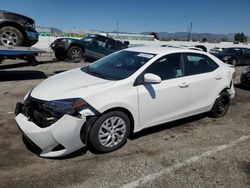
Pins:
x: 194, y: 36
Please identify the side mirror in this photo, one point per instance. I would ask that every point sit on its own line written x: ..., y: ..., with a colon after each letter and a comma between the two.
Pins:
x: 150, y: 78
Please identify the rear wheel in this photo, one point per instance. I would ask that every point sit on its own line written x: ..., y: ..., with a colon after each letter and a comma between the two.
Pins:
x: 11, y: 36
x: 75, y: 54
x: 109, y: 132
x: 221, y: 105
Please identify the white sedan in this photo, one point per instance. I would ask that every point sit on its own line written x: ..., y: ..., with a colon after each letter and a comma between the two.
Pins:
x: 101, y: 104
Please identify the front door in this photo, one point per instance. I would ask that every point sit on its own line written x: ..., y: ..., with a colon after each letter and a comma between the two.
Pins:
x: 168, y: 100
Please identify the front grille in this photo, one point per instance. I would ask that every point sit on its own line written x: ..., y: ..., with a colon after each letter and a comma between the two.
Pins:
x: 33, y: 109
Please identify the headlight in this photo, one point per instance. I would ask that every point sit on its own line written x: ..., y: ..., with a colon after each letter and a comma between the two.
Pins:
x: 29, y: 25
x: 65, y: 106
x: 226, y: 58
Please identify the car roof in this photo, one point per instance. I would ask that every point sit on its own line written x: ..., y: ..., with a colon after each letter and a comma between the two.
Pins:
x: 162, y: 50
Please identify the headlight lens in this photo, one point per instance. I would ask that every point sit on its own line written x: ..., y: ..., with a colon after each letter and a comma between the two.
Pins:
x: 65, y: 106
x: 29, y: 25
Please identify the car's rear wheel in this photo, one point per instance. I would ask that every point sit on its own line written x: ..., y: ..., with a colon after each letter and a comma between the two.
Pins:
x: 11, y: 36
x: 221, y: 105
x: 75, y: 54
x: 109, y: 132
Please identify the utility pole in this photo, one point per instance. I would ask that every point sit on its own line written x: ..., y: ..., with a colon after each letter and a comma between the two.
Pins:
x: 190, y: 31
x: 117, y: 28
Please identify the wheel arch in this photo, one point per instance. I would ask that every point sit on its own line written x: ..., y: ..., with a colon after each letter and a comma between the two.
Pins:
x: 127, y: 112
x: 78, y: 45
x: 85, y: 130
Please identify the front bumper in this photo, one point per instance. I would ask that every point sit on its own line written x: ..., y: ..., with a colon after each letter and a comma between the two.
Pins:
x: 231, y: 91
x: 64, y: 132
x: 32, y: 37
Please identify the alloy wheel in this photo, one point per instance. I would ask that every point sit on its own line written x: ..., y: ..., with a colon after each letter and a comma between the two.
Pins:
x: 9, y: 38
x: 112, y: 131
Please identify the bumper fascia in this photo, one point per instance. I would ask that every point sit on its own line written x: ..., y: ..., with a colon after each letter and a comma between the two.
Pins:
x: 66, y: 131
x: 32, y: 37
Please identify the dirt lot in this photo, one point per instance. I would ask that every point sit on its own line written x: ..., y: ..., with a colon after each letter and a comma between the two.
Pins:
x: 195, y: 152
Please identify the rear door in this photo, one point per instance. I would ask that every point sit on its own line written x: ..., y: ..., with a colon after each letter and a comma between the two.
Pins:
x: 206, y: 81
x: 110, y: 46
x: 97, y: 49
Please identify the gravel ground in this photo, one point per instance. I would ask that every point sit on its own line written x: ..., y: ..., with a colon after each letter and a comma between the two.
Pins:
x: 194, y: 152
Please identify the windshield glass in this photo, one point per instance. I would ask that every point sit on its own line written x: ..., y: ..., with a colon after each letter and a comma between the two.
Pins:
x: 119, y: 65
x: 89, y: 38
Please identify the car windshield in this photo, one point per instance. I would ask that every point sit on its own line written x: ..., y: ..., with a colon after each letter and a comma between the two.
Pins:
x: 88, y: 38
x: 119, y: 65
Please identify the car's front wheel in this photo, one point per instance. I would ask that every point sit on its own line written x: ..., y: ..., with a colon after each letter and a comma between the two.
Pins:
x: 109, y: 132
x: 75, y: 54
x: 221, y: 105
x: 11, y: 36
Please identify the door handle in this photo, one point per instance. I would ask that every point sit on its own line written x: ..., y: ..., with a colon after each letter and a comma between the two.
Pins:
x: 218, y: 77
x: 184, y: 85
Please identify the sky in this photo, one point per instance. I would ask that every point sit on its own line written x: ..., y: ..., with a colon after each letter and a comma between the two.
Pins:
x: 207, y: 16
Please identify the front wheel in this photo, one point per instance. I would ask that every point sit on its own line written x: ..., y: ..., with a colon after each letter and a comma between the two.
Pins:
x: 75, y: 54
x: 221, y: 105
x: 109, y: 132
x: 11, y: 36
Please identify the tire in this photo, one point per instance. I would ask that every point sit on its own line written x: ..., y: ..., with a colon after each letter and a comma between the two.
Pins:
x: 221, y: 105
x: 11, y: 36
x: 233, y: 62
x: 103, y: 137
x: 75, y: 54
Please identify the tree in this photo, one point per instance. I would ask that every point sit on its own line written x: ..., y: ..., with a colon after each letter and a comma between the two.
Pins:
x: 240, y: 37
x: 155, y: 35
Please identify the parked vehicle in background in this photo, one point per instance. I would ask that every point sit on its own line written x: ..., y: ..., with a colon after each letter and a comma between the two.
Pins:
x: 17, y: 30
x: 216, y: 50
x: 92, y: 47
x: 234, y: 55
x: 204, y: 48
x: 245, y: 77
x: 196, y: 47
x: 101, y: 104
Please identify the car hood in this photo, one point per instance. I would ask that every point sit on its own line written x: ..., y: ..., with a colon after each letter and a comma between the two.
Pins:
x: 5, y: 14
x: 70, y: 84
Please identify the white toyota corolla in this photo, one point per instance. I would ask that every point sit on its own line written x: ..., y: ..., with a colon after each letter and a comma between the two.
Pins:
x: 101, y: 104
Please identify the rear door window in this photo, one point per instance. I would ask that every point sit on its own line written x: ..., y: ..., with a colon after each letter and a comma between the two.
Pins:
x: 199, y: 64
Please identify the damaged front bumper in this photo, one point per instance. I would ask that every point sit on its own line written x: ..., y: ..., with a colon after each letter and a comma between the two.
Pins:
x: 59, y: 139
